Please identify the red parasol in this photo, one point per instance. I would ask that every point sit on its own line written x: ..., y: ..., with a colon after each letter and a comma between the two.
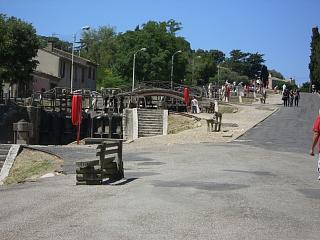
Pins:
x: 76, y: 113
x: 186, y: 98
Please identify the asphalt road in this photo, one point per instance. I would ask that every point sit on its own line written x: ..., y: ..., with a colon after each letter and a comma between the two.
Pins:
x: 245, y: 190
x: 287, y: 130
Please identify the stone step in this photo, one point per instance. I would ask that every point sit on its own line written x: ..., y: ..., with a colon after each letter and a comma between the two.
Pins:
x: 5, y: 146
x: 149, y: 115
x: 150, y: 119
x: 150, y: 132
x: 4, y: 151
x: 150, y: 110
x: 148, y: 135
x: 149, y: 124
x: 150, y: 129
x: 3, y: 157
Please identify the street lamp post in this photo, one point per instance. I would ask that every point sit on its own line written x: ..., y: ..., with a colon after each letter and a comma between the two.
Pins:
x: 172, y: 67
x: 219, y: 67
x: 72, y: 56
x: 193, y: 69
x: 134, y: 66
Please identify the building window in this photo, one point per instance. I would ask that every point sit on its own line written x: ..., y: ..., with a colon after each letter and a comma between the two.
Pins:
x: 93, y: 74
x: 89, y: 73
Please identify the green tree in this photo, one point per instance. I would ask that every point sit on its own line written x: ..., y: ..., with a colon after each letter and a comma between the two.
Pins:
x: 101, y: 47
x: 264, y: 75
x: 314, y: 65
x: 276, y: 74
x: 155, y: 63
x: 245, y: 64
x: 57, y: 43
x: 226, y: 74
x: 305, y: 87
x: 18, y: 46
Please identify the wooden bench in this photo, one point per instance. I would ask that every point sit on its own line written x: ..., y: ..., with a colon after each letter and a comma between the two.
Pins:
x: 108, y: 166
x: 216, y: 120
x: 207, y: 106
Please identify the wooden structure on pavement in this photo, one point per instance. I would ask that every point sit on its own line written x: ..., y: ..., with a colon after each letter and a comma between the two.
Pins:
x: 108, y: 166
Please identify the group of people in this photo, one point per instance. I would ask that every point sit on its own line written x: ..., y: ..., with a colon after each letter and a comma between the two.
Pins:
x: 290, y: 96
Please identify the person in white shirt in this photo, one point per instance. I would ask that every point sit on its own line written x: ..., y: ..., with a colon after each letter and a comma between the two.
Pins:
x: 194, y: 105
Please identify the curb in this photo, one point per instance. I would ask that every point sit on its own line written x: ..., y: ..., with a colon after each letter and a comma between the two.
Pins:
x: 11, y: 157
x: 42, y: 150
x: 275, y: 110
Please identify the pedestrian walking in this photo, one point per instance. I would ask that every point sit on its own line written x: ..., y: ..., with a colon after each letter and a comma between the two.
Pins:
x: 291, y: 96
x: 296, y: 97
x: 284, y: 87
x: 227, y: 92
x: 194, y: 105
x: 315, y: 141
x: 285, y: 97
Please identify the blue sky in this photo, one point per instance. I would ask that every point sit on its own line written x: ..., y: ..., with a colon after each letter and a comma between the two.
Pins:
x: 280, y: 29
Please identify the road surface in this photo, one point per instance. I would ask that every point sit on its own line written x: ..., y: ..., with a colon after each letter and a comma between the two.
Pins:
x: 250, y: 189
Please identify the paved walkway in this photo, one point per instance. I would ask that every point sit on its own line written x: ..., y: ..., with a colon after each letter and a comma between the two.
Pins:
x: 234, y: 125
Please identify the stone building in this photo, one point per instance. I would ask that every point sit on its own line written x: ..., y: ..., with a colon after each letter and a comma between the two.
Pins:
x: 54, y: 70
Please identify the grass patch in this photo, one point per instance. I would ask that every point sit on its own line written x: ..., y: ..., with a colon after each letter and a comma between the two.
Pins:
x: 177, y: 123
x: 31, y: 164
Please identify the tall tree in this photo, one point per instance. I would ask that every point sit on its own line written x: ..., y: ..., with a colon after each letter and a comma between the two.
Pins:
x: 18, y: 46
x: 154, y: 64
x: 245, y: 64
x: 264, y: 75
x: 100, y: 47
x: 314, y: 65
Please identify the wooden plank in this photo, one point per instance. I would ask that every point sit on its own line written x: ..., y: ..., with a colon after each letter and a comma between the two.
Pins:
x: 84, y: 164
x: 101, y: 146
x: 95, y: 169
x: 108, y: 172
x: 101, y: 153
x: 88, y: 177
x: 109, y: 165
x: 89, y: 182
x: 110, y: 145
x: 120, y: 162
x: 111, y: 151
x: 107, y: 160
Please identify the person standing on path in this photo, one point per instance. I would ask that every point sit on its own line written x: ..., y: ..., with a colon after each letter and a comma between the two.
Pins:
x: 291, y: 97
x: 296, y: 97
x: 315, y: 141
x: 194, y: 105
x: 285, y: 98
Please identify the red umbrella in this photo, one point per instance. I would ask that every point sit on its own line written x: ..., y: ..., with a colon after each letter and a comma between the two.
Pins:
x: 76, y: 113
x: 186, y: 98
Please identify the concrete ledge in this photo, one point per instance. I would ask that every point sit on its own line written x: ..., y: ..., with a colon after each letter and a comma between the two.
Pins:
x: 12, y: 154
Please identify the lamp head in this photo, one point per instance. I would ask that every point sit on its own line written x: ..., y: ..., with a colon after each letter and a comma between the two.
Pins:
x: 86, y: 28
